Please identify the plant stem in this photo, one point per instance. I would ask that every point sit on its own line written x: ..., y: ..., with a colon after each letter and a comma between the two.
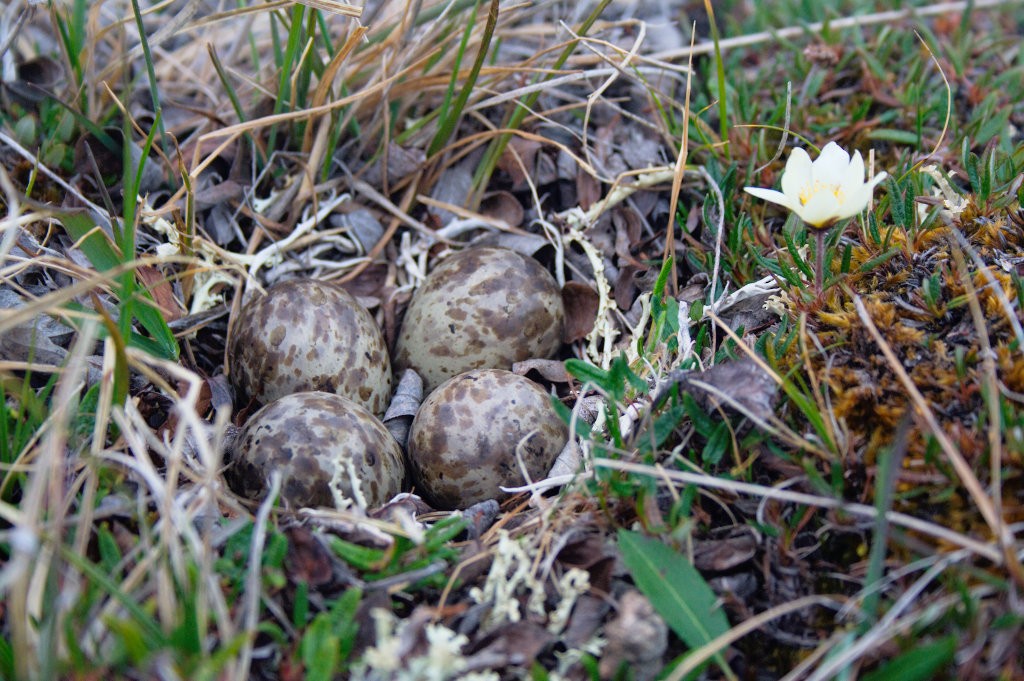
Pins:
x: 819, y: 235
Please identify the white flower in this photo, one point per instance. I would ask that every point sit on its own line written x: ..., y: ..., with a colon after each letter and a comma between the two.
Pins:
x: 824, y: 191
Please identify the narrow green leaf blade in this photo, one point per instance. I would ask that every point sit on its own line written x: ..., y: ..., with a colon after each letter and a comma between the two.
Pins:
x: 91, y: 239
x: 588, y: 373
x: 675, y: 588
x: 917, y: 664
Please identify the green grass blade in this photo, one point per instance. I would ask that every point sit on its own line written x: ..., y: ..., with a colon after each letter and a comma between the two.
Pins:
x: 676, y: 590
x: 918, y: 664
x: 292, y: 50
x: 723, y: 104
x: 97, y: 247
x: 150, y: 628
x: 154, y: 87
x: 104, y: 256
x: 450, y: 116
x: 523, y: 107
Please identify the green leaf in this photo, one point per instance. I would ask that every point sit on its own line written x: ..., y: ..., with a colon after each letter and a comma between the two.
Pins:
x: 444, y: 531
x: 700, y: 420
x: 141, y: 621
x: 582, y: 427
x: 893, y: 135
x: 104, y: 256
x: 675, y: 588
x: 320, y: 649
x: 359, y: 557
x: 718, y: 444
x: 664, y: 425
x: 918, y: 664
x: 452, y: 114
x: 346, y: 624
x: 6, y: 659
x: 585, y: 372
x: 110, y: 554
x: 91, y: 239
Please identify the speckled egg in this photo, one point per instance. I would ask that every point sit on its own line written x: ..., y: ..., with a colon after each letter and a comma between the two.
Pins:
x: 481, y: 308
x: 327, y: 448
x: 464, y: 438
x: 309, y: 335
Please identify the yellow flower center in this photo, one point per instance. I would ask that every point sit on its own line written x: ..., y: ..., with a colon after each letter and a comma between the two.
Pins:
x: 810, y: 191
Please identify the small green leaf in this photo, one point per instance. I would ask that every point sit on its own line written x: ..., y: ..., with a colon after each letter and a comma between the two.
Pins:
x: 91, y: 239
x: 893, y: 135
x: 6, y: 659
x: 444, y: 531
x: 585, y: 372
x: 664, y: 425
x: 659, y: 285
x: 917, y: 664
x: 582, y: 427
x: 620, y: 375
x: 717, y: 445
x: 110, y: 554
x: 359, y: 557
x: 320, y: 649
x: 675, y: 588
x: 104, y: 256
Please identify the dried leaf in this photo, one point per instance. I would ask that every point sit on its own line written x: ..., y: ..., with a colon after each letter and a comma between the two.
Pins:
x: 502, y: 205
x: 744, y: 381
x: 569, y: 460
x: 625, y: 288
x: 220, y: 193
x: 401, y: 162
x: 552, y: 370
x: 518, y: 160
x: 371, y: 283
x: 639, y: 151
x: 37, y: 79
x: 524, y: 244
x: 452, y: 187
x: 718, y: 555
x: 581, y: 303
x: 587, y: 616
x: 516, y: 644
x: 588, y: 190
x: 403, y: 407
x: 160, y: 288
x: 361, y: 225
x: 481, y: 516
x: 307, y: 559
x: 636, y: 639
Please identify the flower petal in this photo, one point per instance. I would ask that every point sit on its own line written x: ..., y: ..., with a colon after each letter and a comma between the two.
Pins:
x: 856, y: 201
x: 821, y: 211
x: 832, y: 165
x: 792, y: 204
x: 855, y: 171
x: 877, y: 178
x: 797, y: 174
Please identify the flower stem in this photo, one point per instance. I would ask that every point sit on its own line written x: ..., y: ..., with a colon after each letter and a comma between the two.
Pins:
x: 819, y: 235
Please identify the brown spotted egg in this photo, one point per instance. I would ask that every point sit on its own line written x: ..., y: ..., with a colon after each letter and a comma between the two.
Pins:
x: 309, y: 335
x: 481, y: 308
x: 327, y: 448
x: 465, y: 438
